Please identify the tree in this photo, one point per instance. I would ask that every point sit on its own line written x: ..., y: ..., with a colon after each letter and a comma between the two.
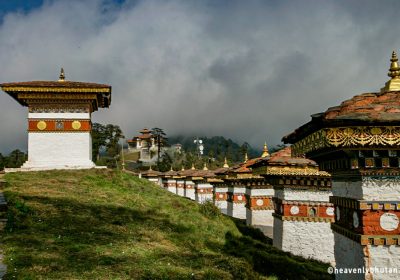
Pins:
x: 98, y: 140
x: 161, y: 140
x: 107, y: 137
x: 2, y: 163
x: 15, y: 159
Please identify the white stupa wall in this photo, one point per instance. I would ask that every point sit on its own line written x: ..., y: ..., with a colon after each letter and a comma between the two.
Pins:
x: 153, y: 179
x: 237, y: 209
x: 189, y: 189
x: 203, y: 192
x: 350, y: 253
x: 303, y: 195
x: 368, y: 189
x: 59, y: 150
x: 180, y: 187
x: 220, y: 195
x: 259, y: 217
x: 307, y: 239
x: 262, y: 217
x: 171, y: 185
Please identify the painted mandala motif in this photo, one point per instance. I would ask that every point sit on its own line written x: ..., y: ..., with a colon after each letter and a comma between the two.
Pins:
x: 294, y: 210
x: 260, y: 202
x: 389, y: 221
x: 330, y: 211
x: 76, y: 125
x: 41, y: 125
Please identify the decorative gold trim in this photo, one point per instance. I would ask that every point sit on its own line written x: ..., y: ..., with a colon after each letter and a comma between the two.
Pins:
x: 53, y: 89
x: 276, y: 170
x: 304, y: 219
x: 360, y: 136
x: 58, y: 96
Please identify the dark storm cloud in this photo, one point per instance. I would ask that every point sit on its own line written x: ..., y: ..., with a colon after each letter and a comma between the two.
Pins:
x: 250, y: 70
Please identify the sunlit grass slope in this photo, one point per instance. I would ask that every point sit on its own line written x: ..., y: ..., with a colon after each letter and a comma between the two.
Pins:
x: 101, y: 224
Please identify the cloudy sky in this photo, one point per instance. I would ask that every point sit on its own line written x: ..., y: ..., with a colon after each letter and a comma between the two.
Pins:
x: 249, y: 70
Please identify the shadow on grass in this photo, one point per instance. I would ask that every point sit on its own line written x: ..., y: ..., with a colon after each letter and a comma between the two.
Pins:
x: 65, y: 234
x: 257, y: 249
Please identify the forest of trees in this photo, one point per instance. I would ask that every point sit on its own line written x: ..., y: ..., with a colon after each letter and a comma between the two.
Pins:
x: 105, y: 141
x: 215, y: 150
x: 14, y: 160
x: 218, y: 147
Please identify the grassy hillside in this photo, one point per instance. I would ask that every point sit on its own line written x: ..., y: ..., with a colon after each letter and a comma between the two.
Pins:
x: 101, y: 224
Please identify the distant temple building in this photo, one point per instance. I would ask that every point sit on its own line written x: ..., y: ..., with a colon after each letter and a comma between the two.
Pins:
x: 145, y: 144
x: 59, y: 121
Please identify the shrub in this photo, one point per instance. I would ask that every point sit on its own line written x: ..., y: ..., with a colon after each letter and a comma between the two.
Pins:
x: 209, y: 210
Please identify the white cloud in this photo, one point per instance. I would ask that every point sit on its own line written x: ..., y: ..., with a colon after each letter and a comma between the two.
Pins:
x: 250, y: 70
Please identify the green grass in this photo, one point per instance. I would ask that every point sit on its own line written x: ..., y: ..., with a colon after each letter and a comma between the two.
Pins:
x: 101, y: 224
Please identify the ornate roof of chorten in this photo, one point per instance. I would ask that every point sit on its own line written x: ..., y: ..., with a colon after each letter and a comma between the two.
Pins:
x: 26, y: 92
x: 381, y: 108
x: 151, y: 173
x: 243, y: 167
x: 170, y: 173
x: 282, y: 163
x: 54, y: 84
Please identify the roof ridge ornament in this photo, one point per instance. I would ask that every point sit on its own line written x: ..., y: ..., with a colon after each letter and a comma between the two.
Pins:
x: 265, y: 151
x: 226, y: 163
x: 246, y: 157
x: 394, y: 70
x: 62, y: 75
x: 394, y: 73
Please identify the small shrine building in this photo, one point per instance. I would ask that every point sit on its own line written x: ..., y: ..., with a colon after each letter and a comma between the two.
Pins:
x: 59, y: 121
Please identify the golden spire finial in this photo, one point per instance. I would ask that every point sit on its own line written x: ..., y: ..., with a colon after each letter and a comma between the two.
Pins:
x: 193, y: 166
x: 205, y: 166
x: 265, y: 151
x: 226, y: 163
x: 394, y: 73
x: 246, y: 157
x: 62, y: 75
x: 394, y: 70
x: 150, y: 168
x: 183, y: 168
x: 171, y: 168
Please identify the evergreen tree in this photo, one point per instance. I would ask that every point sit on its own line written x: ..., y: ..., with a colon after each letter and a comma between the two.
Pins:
x: 161, y: 140
x: 2, y: 163
x: 15, y: 159
x: 107, y: 137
